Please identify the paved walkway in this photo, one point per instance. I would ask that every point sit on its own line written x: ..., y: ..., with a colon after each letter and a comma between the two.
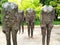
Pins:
x: 24, y: 40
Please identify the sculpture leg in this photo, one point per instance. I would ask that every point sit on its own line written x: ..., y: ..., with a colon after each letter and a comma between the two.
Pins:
x: 29, y: 30
x: 48, y: 36
x: 43, y: 30
x: 22, y: 27
x: 49, y: 28
x: 19, y: 28
x: 32, y: 27
x: 8, y: 37
x: 14, y: 37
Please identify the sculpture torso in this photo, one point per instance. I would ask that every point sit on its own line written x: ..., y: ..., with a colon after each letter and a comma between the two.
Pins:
x: 21, y: 14
x: 9, y: 14
x: 30, y: 13
x: 47, y: 14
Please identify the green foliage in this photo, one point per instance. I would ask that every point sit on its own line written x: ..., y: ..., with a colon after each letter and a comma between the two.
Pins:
x: 1, y: 2
x: 53, y: 3
x: 56, y: 5
x: 58, y: 9
x: 35, y: 4
x: 30, y: 4
x: 0, y: 18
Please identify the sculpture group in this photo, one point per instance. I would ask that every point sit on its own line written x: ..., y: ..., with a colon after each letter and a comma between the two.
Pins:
x: 13, y: 19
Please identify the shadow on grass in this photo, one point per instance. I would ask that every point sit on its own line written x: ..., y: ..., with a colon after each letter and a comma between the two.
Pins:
x: 57, y: 19
x: 57, y: 22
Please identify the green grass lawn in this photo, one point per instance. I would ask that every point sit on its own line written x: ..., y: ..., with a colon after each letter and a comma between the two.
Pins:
x: 37, y: 22
x: 56, y: 22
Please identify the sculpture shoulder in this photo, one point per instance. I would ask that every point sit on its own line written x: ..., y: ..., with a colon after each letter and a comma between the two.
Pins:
x: 20, y: 11
x: 50, y: 8
x: 9, y: 5
x: 47, y: 8
x: 29, y: 10
x: 44, y: 8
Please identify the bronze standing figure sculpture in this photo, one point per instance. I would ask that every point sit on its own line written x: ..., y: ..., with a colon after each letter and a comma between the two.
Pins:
x: 46, y: 17
x: 30, y: 18
x: 9, y: 22
x: 21, y: 20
